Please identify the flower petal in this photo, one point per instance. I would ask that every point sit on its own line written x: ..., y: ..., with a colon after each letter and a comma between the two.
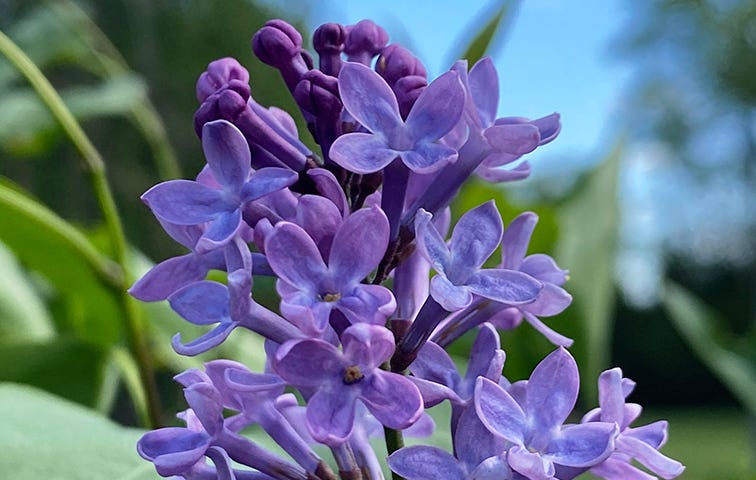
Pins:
x: 438, y: 108
x: 505, y: 286
x: 544, y: 268
x: 499, y: 412
x: 428, y: 157
x: 532, y: 465
x: 220, y: 231
x: 202, y: 344
x: 295, y: 258
x: 267, y: 180
x: 552, y: 300
x: 430, y: 242
x: 448, y: 295
x: 516, y: 238
x: 368, y: 304
x: 484, y: 88
x: 173, y: 450
x: 367, y: 345
x: 330, y: 414
x: 202, y: 303
x: 486, y: 356
x: 475, y: 237
x: 227, y: 153
x: 556, y: 338
x: 358, y: 245
x: 517, y: 139
x: 362, y: 152
x: 184, y: 202
x: 649, y: 457
x: 422, y: 462
x: 369, y: 99
x: 583, y: 445
x: 392, y: 399
x: 308, y: 363
x: 552, y: 390
x: 168, y: 276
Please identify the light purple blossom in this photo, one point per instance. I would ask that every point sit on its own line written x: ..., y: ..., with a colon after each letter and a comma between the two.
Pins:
x: 311, y: 289
x: 458, y: 266
x: 633, y: 443
x: 186, y: 202
x: 341, y: 378
x: 535, y: 429
x: 371, y: 101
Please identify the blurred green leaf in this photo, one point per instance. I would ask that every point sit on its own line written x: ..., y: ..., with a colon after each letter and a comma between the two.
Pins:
x: 26, y: 123
x: 589, y: 223
x: 23, y: 314
x: 484, y: 38
x: 47, y: 244
x: 696, y: 323
x: 43, y: 436
x: 65, y: 366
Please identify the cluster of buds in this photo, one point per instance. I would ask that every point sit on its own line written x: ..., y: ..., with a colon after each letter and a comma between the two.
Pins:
x: 351, y: 236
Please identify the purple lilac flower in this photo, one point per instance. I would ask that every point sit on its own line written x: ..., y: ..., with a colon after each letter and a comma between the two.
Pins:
x: 369, y: 99
x: 185, y: 202
x: 341, y: 378
x: 458, y: 266
x: 633, y: 443
x: 364, y: 40
x: 551, y: 300
x: 311, y: 289
x: 534, y: 427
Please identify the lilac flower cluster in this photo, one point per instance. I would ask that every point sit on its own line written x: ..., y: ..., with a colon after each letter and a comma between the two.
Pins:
x: 357, y: 346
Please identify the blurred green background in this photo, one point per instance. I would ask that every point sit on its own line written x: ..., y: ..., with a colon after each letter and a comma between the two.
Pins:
x: 656, y: 223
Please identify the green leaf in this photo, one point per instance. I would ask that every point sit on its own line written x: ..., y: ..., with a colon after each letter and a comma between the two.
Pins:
x: 52, y: 247
x: 23, y: 313
x: 484, y: 39
x: 695, y: 322
x: 26, y: 123
x: 589, y: 223
x: 65, y: 366
x: 43, y: 436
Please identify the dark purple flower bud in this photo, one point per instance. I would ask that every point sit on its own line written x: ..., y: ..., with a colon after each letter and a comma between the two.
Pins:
x: 407, y: 91
x: 221, y: 74
x: 328, y: 41
x: 279, y: 45
x: 397, y: 62
x: 364, y: 41
x: 318, y: 94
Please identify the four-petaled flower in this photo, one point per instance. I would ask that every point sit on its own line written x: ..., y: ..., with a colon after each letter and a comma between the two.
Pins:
x: 369, y: 99
x: 340, y: 378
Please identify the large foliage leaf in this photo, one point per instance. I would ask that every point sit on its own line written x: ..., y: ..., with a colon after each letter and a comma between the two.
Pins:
x: 43, y: 436
x: 696, y: 324
x: 61, y: 253
x: 23, y: 314
x: 588, y: 229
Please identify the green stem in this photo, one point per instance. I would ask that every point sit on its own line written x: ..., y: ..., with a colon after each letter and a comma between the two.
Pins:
x: 394, y: 438
x: 95, y: 168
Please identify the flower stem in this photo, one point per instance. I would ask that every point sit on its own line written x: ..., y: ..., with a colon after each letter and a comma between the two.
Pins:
x: 394, y: 441
x: 95, y: 169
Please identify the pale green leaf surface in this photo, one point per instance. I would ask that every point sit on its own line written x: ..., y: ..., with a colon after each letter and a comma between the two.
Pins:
x: 23, y: 315
x: 589, y: 223
x: 45, y: 437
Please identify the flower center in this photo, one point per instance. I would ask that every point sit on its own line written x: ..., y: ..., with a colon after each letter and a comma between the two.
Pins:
x: 330, y: 297
x: 352, y: 374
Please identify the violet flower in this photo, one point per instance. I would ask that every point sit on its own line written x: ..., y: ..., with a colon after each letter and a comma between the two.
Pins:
x: 311, y: 289
x: 458, y: 266
x: 341, y: 378
x: 633, y: 443
x: 186, y: 202
x: 534, y: 428
x: 369, y: 99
